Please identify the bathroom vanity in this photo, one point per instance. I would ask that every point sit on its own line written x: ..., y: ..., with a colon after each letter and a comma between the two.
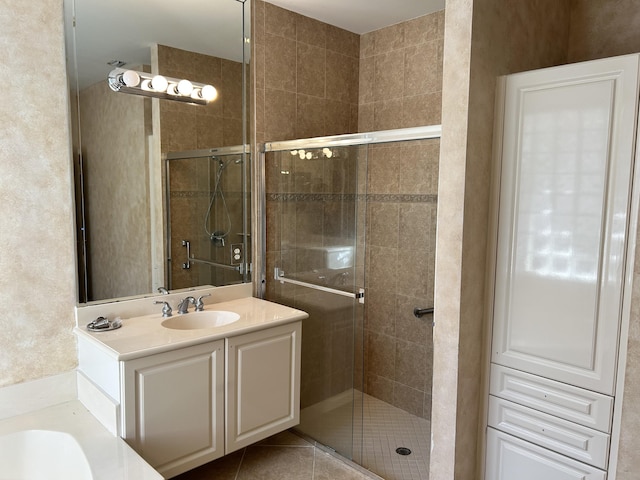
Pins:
x: 188, y: 389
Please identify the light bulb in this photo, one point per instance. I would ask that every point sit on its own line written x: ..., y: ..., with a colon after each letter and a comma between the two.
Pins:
x: 309, y: 155
x: 209, y: 93
x: 159, y: 83
x: 294, y: 152
x: 172, y: 89
x: 185, y: 87
x: 131, y: 78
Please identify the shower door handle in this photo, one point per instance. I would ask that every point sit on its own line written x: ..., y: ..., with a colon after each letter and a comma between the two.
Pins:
x: 279, y: 276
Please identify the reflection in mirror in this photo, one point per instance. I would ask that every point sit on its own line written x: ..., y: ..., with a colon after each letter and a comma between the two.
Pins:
x: 154, y: 175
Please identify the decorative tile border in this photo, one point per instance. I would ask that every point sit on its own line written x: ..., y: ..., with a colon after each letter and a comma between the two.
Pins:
x: 200, y: 194
x: 352, y: 197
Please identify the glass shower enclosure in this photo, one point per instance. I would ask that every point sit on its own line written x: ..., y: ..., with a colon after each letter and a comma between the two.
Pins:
x: 208, y: 239
x: 335, y: 231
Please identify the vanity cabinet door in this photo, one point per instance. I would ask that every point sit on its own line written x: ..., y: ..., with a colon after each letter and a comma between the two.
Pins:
x: 510, y: 458
x: 173, y: 407
x: 263, y: 384
x: 565, y: 189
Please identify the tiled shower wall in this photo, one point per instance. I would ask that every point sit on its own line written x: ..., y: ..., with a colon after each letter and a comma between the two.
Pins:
x: 187, y: 127
x: 400, y: 87
x: 306, y: 76
x: 305, y: 67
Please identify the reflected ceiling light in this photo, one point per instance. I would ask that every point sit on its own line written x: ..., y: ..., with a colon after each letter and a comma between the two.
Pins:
x: 141, y: 83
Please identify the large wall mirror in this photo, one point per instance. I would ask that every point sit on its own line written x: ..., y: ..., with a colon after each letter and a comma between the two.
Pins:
x: 161, y: 170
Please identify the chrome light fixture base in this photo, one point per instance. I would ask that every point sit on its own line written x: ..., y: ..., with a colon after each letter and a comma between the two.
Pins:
x: 158, y: 86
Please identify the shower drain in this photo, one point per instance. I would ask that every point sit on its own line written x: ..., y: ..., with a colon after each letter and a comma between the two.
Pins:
x: 403, y: 451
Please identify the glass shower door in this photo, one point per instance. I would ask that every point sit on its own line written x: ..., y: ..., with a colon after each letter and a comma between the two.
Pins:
x: 315, y: 256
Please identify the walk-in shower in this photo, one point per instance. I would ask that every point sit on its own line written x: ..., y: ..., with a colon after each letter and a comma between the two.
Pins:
x: 350, y: 238
x: 208, y: 217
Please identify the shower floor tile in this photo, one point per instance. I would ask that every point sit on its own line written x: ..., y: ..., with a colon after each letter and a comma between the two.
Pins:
x: 386, y: 428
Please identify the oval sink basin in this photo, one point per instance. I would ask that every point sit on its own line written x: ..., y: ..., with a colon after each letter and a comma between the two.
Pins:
x: 197, y: 320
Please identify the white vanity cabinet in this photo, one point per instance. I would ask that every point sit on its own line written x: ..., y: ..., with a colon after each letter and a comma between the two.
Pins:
x: 173, y: 407
x: 563, y: 239
x: 183, y: 404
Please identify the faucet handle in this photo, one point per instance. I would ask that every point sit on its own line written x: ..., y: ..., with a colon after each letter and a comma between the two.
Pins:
x: 166, y: 309
x: 200, y: 303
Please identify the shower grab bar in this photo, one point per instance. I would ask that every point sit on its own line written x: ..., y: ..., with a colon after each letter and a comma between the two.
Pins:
x: 190, y: 259
x: 419, y: 312
x: 279, y: 276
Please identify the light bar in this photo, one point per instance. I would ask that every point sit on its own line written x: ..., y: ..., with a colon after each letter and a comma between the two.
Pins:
x: 141, y: 83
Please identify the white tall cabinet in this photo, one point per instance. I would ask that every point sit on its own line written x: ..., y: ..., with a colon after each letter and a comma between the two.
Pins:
x: 563, y: 248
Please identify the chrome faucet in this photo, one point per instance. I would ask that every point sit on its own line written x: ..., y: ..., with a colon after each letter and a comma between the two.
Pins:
x: 163, y: 291
x: 183, y: 306
x: 200, y: 303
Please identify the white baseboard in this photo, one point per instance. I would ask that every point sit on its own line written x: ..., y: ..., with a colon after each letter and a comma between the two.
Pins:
x: 104, y: 408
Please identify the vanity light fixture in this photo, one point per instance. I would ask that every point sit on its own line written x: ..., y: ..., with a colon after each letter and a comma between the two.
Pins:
x: 141, y: 83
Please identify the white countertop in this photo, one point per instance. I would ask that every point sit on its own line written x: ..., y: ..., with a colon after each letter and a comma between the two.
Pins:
x: 144, y: 335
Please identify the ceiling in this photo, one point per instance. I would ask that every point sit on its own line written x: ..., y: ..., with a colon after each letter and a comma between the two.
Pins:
x: 125, y: 29
x: 361, y: 16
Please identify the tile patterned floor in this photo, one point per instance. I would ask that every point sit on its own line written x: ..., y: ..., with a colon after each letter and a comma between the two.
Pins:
x: 285, y: 456
x: 385, y: 428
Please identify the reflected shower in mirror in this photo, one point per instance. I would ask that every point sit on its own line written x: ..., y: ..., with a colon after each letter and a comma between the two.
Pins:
x: 124, y: 144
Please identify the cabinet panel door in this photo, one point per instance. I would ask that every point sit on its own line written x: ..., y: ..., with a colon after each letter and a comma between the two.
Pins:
x: 263, y: 384
x: 564, y: 195
x: 509, y: 458
x: 174, y: 407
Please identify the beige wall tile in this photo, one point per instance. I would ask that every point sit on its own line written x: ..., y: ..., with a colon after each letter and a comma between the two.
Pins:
x: 389, y: 76
x: 342, y: 41
x: 311, y: 31
x: 310, y: 115
x: 342, y: 77
x: 389, y: 38
x: 338, y: 117
x: 279, y: 21
x: 280, y: 57
x: 280, y: 108
x: 311, y: 70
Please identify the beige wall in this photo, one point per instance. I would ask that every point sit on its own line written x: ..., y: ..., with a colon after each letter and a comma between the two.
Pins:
x: 35, y: 185
x: 604, y: 29
x: 483, y: 39
x: 400, y: 86
x: 37, y: 265
x: 116, y: 179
